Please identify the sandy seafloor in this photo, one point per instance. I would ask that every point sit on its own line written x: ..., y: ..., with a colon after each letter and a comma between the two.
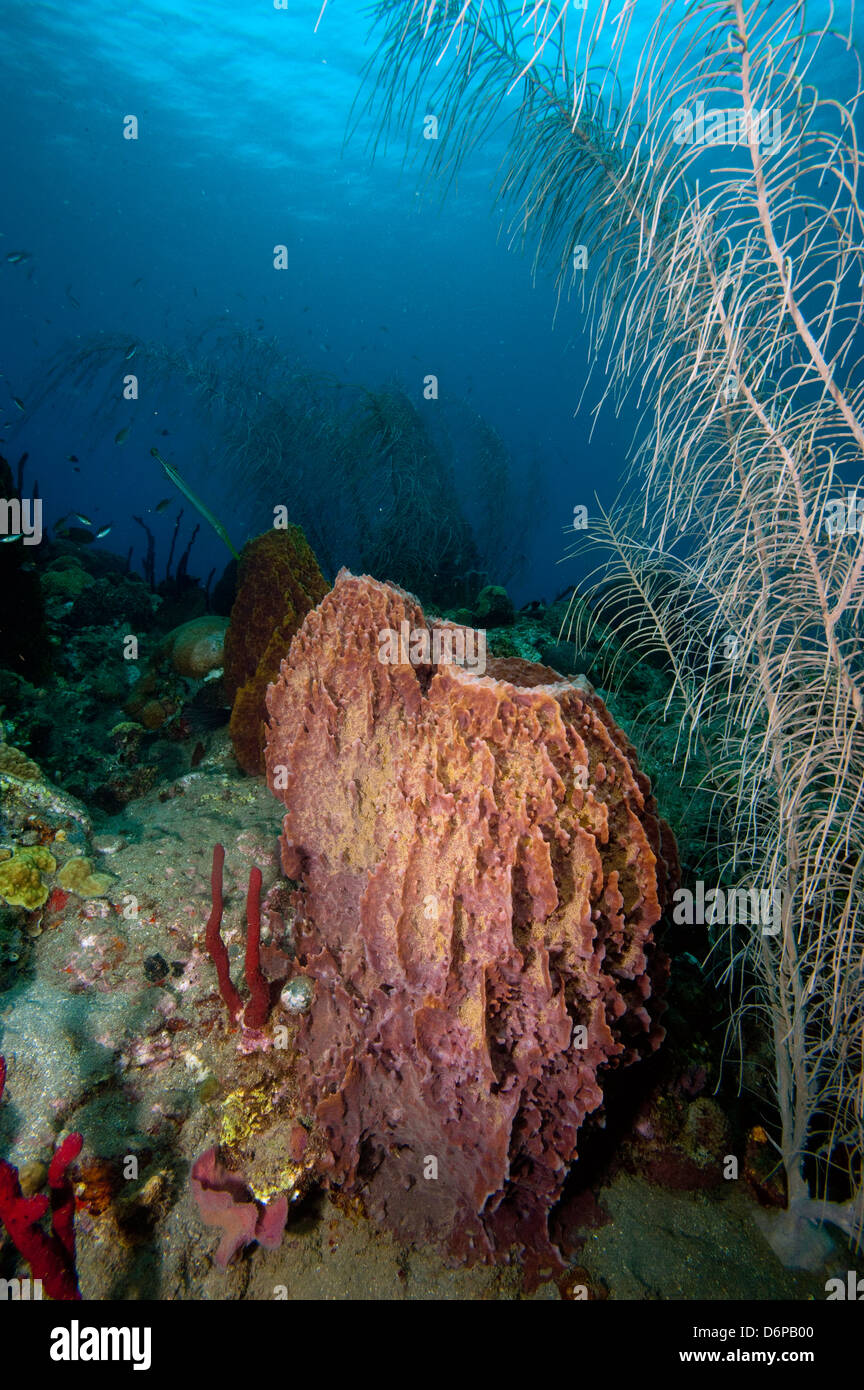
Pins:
x: 92, y: 1044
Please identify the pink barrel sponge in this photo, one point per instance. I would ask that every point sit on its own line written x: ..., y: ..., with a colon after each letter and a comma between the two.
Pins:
x: 482, y: 866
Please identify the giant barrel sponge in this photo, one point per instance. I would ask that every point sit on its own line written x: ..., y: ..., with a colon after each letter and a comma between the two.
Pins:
x: 482, y: 866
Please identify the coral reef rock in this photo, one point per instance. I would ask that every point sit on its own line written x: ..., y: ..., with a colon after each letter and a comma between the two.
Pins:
x: 196, y: 648
x: 482, y: 866
x: 494, y: 607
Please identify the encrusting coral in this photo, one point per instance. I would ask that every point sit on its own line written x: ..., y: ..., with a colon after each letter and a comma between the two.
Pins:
x: 483, y: 867
x: 278, y: 581
x: 78, y: 876
x: 21, y: 881
x: 17, y: 764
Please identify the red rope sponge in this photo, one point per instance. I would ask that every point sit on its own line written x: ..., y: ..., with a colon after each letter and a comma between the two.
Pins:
x: 259, y: 1003
x: 51, y: 1257
x: 213, y: 937
x: 258, y: 1007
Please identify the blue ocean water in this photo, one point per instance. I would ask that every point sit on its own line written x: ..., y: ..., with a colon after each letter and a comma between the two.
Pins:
x: 242, y: 116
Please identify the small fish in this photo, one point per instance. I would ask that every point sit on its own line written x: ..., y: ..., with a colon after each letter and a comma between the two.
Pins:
x: 122, y: 435
x: 72, y: 300
x: 174, y: 477
x: 100, y: 535
x: 13, y: 257
x: 4, y: 540
x: 85, y: 520
x: 20, y: 404
x: 138, y: 281
x: 71, y: 458
x: 164, y: 432
x: 131, y: 351
x: 166, y: 502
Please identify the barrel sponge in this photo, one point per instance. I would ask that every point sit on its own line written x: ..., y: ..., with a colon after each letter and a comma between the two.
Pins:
x: 278, y: 581
x: 482, y: 866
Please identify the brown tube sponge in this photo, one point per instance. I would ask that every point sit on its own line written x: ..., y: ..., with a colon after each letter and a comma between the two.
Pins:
x: 278, y: 581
